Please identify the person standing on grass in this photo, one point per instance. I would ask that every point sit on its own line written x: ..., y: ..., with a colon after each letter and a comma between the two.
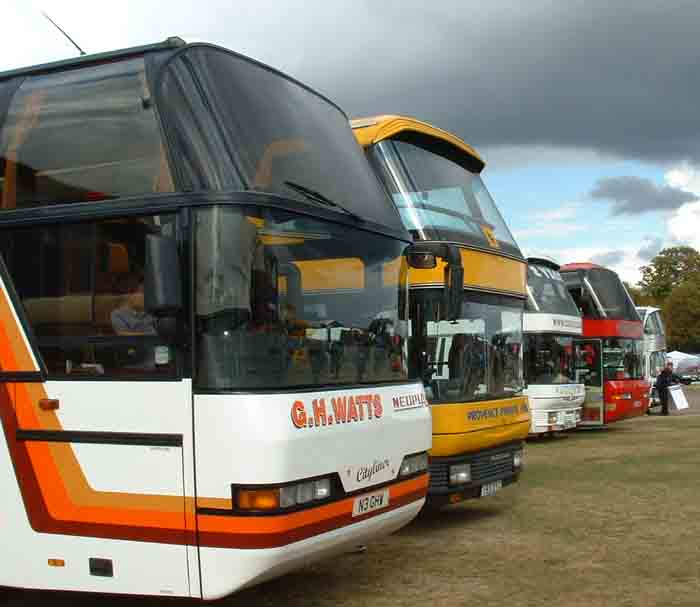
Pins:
x: 665, y: 379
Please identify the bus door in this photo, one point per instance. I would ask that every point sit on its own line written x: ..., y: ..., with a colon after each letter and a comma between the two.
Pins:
x: 88, y: 456
x: 589, y: 371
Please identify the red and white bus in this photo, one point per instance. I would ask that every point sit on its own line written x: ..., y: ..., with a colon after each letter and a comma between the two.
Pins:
x: 610, y: 361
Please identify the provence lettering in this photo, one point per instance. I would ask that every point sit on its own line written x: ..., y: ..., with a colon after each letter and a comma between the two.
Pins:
x: 340, y: 410
x: 482, y: 414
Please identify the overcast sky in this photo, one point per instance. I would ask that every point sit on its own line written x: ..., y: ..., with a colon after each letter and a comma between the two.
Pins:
x: 586, y: 112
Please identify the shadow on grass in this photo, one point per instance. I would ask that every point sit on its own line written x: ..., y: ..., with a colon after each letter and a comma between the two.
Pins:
x: 431, y: 519
x: 12, y: 597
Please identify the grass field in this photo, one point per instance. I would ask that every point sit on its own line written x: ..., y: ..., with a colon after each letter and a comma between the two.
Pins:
x: 600, y: 518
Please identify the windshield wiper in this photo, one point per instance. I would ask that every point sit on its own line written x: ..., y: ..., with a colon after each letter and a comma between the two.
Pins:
x: 317, y: 197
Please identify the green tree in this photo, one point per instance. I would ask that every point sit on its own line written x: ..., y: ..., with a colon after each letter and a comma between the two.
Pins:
x: 682, y: 316
x: 671, y: 267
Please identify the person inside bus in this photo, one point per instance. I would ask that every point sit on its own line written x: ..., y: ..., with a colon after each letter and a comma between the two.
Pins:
x: 131, y: 318
x: 663, y: 382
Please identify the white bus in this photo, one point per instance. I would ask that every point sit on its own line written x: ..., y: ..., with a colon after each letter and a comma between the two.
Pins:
x: 551, y: 325
x: 654, y: 343
x: 203, y: 357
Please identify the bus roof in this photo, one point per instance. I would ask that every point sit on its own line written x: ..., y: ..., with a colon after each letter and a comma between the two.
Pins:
x: 374, y: 129
x: 571, y: 267
x: 171, y: 43
x: 543, y: 261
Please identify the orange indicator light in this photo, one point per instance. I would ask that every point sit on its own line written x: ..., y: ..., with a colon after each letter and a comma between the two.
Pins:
x: 57, y: 563
x: 259, y: 499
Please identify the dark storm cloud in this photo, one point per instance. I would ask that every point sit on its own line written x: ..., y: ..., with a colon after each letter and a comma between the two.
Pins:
x: 650, y: 249
x: 608, y: 76
x: 616, y: 77
x: 634, y: 195
x: 611, y: 258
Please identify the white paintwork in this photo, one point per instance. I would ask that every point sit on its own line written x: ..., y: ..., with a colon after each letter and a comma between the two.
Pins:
x: 224, y: 569
x: 542, y: 322
x: 143, y: 470
x: 240, y: 439
x: 123, y: 406
x: 254, y: 436
x: 566, y: 400
x: 140, y: 567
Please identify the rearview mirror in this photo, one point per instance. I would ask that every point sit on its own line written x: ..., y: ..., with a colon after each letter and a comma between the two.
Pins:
x: 421, y: 259
x: 162, y: 283
x: 454, y: 289
x: 424, y: 255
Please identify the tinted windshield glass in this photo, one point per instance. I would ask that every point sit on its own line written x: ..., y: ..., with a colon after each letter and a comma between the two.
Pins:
x: 238, y: 124
x: 622, y: 359
x: 438, y: 199
x: 284, y: 301
x: 653, y: 325
x: 549, y: 359
x: 476, y: 357
x: 611, y: 294
x: 548, y: 292
x: 82, y: 135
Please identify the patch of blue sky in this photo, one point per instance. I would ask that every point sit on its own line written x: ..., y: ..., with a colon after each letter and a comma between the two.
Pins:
x: 550, y: 206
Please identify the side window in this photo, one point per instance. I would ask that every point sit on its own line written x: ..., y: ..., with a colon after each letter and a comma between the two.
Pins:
x: 81, y: 286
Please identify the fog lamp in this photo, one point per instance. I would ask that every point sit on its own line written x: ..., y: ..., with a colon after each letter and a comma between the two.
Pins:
x: 460, y: 474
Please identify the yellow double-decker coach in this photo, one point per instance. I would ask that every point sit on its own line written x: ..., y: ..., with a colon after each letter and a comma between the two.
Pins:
x: 469, y: 349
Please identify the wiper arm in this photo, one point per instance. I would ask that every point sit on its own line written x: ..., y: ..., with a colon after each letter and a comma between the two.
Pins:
x: 316, y: 196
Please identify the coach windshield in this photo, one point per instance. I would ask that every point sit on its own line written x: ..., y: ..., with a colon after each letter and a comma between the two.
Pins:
x: 286, y: 301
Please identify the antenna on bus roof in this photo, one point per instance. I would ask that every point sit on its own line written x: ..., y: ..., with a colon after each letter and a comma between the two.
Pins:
x: 81, y: 51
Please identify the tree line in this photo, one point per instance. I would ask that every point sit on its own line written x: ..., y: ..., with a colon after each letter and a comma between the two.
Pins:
x: 671, y: 281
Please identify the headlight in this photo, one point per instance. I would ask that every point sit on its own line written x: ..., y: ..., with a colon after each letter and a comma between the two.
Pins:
x: 413, y: 464
x: 517, y: 459
x: 460, y: 474
x: 288, y: 496
x: 552, y: 418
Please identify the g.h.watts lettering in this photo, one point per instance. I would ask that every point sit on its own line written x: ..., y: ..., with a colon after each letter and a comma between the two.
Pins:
x: 342, y: 410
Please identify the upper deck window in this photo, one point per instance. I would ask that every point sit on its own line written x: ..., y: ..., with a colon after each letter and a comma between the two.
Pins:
x: 82, y: 135
x: 548, y: 293
x: 236, y: 124
x: 612, y: 295
x: 439, y: 199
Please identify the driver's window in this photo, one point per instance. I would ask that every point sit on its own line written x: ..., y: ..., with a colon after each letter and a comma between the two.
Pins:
x: 82, y: 287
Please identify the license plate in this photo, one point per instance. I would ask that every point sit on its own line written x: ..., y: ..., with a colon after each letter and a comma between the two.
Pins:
x: 637, y: 403
x: 490, y: 488
x: 370, y: 502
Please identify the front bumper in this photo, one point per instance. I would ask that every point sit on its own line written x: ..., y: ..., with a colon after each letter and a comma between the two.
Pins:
x: 487, y: 466
x: 544, y: 421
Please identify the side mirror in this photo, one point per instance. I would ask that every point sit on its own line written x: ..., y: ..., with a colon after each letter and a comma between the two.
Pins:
x: 162, y: 283
x: 454, y: 282
x: 420, y: 259
x: 424, y: 256
x: 454, y: 290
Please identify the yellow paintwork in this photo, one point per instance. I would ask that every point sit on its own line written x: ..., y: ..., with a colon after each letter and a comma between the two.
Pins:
x: 481, y: 271
x: 369, y: 131
x: 461, y: 428
x: 331, y: 274
x: 492, y: 423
